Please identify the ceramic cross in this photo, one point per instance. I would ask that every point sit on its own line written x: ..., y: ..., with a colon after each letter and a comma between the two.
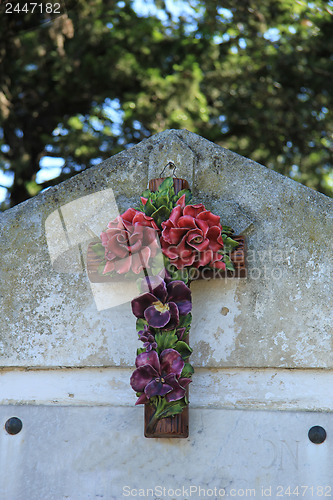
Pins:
x: 176, y: 425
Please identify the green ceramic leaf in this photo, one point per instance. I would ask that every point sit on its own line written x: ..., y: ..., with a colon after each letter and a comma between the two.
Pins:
x: 140, y: 324
x: 149, y: 208
x: 228, y: 264
x: 228, y: 230
x: 229, y: 244
x: 185, y: 321
x: 188, y: 371
x: 180, y: 194
x: 166, y: 184
x: 188, y: 196
x: 166, y: 340
x: 162, y: 201
x: 183, y: 349
x: 171, y: 192
x: 99, y: 249
x: 173, y: 408
x: 157, y: 264
x: 101, y: 268
x: 160, y: 215
x: 177, y: 274
x: 146, y: 193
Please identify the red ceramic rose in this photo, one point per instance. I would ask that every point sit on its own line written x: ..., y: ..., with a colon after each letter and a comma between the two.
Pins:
x: 130, y: 240
x: 192, y: 237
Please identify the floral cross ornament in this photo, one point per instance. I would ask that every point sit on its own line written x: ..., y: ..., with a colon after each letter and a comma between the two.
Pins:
x: 191, y: 239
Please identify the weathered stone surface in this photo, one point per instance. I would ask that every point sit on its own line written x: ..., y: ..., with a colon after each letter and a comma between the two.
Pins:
x: 178, y: 153
x: 280, y: 316
x: 220, y: 388
x: 89, y: 453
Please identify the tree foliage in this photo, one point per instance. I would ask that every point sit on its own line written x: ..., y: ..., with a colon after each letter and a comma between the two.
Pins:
x: 254, y: 77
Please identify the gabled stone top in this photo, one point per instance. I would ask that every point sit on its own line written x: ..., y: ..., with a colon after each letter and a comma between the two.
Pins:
x: 280, y: 316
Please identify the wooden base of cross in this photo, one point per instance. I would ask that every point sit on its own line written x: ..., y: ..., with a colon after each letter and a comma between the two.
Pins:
x: 178, y: 425
x: 169, y: 427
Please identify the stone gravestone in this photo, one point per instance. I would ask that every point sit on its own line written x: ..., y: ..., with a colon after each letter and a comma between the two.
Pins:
x: 262, y: 346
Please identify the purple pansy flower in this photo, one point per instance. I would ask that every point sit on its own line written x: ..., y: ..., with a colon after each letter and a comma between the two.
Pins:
x: 159, y: 376
x: 162, y: 304
x: 147, y: 338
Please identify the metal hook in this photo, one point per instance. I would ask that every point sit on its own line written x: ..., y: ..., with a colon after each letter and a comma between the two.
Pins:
x: 171, y: 165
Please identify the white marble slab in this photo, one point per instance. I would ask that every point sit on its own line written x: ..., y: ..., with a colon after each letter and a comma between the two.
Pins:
x: 93, y: 453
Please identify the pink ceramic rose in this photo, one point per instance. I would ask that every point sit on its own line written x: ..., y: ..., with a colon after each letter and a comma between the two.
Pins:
x: 130, y: 241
